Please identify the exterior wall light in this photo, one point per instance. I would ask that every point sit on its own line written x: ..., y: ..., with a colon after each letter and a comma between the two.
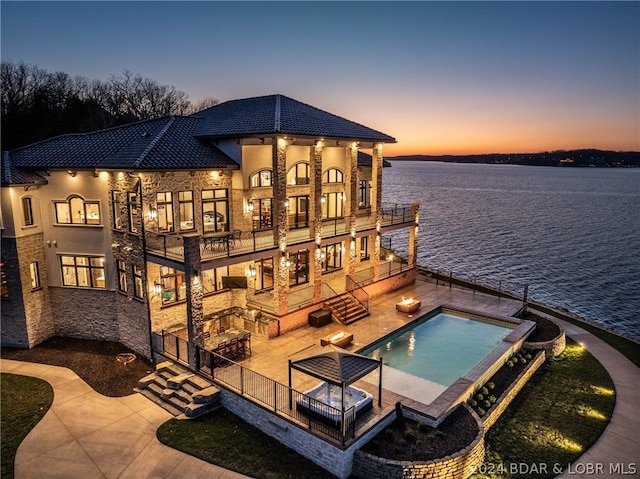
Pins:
x: 72, y: 173
x: 286, y: 203
x: 157, y: 288
x: 252, y: 271
x: 249, y: 206
x: 323, y: 199
x: 153, y: 214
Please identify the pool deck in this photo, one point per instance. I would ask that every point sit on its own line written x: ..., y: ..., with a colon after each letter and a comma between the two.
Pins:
x: 430, y: 399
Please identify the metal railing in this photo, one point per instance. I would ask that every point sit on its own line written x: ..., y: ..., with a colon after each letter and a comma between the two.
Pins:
x: 237, y: 242
x: 358, y: 292
x: 175, y: 347
x: 329, y: 296
x: 279, y: 398
x: 496, y: 286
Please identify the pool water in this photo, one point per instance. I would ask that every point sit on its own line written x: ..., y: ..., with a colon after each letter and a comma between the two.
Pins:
x: 439, y: 349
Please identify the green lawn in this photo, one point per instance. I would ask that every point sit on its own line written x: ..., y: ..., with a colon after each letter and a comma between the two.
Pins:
x: 25, y: 400
x: 556, y: 417
x: 224, y: 439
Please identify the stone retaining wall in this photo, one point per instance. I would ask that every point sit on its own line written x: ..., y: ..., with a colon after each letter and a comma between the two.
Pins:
x: 460, y: 464
x: 553, y: 347
x: 506, y: 397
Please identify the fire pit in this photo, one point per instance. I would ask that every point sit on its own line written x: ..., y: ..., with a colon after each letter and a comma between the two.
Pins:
x: 408, y: 305
x: 340, y: 339
x: 126, y: 358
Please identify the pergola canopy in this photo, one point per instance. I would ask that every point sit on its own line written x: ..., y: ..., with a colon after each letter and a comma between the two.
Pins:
x: 336, y: 367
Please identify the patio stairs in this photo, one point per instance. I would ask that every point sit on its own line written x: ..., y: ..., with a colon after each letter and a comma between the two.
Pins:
x: 354, y: 310
x: 179, y: 391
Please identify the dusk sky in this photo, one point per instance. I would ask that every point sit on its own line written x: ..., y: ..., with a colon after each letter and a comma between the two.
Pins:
x: 441, y: 77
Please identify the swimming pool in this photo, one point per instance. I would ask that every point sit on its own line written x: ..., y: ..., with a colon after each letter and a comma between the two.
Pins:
x: 439, y: 348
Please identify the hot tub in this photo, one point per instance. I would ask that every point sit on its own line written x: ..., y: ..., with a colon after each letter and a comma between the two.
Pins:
x: 324, y: 402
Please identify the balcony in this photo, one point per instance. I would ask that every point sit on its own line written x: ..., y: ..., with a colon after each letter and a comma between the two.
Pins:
x: 238, y: 243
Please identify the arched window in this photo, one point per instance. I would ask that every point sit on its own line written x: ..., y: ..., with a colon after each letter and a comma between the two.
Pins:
x: 76, y: 211
x: 298, y: 174
x: 333, y: 175
x: 262, y: 178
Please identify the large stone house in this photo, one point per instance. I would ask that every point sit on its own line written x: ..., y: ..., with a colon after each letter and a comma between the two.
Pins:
x: 257, y: 210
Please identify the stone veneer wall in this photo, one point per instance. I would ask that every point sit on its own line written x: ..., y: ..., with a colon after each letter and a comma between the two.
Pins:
x: 458, y: 465
x: 27, y: 315
x: 506, y: 397
x: 389, y: 284
x: 332, y: 458
x: 133, y: 324
x: 85, y: 313
x: 14, y: 330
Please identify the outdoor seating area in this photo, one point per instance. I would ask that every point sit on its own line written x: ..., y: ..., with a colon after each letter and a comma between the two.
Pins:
x: 233, y: 344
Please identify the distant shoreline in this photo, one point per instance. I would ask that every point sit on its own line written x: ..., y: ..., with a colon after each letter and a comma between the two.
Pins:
x: 566, y: 158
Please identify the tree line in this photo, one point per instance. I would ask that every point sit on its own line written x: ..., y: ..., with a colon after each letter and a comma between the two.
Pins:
x: 37, y: 104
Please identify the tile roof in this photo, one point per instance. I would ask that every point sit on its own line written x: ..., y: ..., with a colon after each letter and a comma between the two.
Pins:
x: 182, y: 142
x: 13, y: 176
x: 281, y: 115
x: 161, y: 143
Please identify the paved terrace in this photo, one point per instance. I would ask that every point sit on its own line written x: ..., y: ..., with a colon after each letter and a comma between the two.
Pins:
x: 270, y: 357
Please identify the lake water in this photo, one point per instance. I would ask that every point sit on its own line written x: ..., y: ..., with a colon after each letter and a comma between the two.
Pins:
x: 571, y: 234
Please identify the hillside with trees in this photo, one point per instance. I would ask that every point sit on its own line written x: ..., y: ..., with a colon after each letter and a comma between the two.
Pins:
x: 37, y: 104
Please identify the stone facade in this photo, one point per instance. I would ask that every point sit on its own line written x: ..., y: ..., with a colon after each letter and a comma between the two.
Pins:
x: 85, y: 313
x: 27, y: 315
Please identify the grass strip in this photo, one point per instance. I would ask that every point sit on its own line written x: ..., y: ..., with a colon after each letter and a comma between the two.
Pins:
x: 556, y: 417
x: 25, y: 400
x: 224, y: 439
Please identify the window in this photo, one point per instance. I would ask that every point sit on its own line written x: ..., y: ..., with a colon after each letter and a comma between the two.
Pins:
x: 333, y: 175
x: 299, y: 174
x: 262, y: 214
x: 333, y: 207
x: 261, y: 179
x: 138, y: 289
x: 212, y: 279
x: 83, y: 271
x: 34, y: 271
x: 298, y: 212
x: 116, y: 209
x: 215, y: 210
x: 185, y: 206
x: 173, y: 286
x: 299, y: 268
x: 165, y: 211
x: 364, y: 248
x: 122, y: 276
x: 27, y: 211
x: 364, y: 193
x: 331, y: 257
x: 264, y: 274
x: 134, y: 213
x: 77, y: 211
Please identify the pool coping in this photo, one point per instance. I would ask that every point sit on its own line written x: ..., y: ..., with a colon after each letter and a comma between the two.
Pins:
x: 465, y: 386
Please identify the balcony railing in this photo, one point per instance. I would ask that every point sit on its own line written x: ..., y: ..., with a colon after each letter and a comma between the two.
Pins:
x: 235, y: 243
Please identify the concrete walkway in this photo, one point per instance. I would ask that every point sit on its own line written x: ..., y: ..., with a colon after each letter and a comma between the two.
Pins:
x: 87, y: 435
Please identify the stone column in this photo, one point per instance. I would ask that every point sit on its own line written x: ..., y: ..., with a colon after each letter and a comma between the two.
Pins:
x: 315, y: 188
x: 351, y: 200
x: 376, y: 204
x: 280, y: 212
x: 195, y: 316
x: 413, y: 235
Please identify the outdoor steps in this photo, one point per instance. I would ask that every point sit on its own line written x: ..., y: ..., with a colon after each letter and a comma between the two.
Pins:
x: 179, y: 391
x: 354, y: 310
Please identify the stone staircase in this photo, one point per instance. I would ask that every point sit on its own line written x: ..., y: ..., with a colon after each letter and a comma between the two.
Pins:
x: 179, y: 391
x: 354, y: 309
